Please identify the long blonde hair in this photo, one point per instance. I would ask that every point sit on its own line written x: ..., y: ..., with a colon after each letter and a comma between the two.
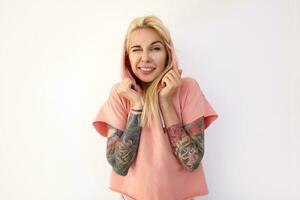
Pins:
x: 150, y: 96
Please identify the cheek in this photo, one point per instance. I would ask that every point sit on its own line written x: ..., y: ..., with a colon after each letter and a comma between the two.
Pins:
x: 161, y: 59
x: 132, y: 60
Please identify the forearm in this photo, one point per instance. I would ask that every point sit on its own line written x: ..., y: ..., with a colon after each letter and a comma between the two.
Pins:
x: 122, y: 152
x: 186, y: 148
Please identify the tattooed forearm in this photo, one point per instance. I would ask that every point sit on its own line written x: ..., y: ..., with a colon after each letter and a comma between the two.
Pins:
x: 188, y: 143
x: 122, y: 147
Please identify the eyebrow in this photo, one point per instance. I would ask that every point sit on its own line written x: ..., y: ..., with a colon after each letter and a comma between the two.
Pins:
x: 150, y: 44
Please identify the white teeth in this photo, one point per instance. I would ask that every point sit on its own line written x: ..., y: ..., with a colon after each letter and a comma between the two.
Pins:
x: 146, y: 68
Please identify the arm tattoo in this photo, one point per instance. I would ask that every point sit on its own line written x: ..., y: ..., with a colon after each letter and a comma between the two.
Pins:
x: 122, y: 147
x: 187, y: 142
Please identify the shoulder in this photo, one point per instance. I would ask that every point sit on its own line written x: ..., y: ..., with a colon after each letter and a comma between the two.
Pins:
x: 186, y: 81
x: 189, y: 84
x: 113, y: 89
x: 190, y: 91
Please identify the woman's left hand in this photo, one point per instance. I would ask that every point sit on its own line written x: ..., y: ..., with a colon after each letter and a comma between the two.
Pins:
x: 170, y: 83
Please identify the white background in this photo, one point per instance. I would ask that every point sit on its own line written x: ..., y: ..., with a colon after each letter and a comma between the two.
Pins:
x: 59, y: 59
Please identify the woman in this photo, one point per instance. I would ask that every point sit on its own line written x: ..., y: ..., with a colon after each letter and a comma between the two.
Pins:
x: 154, y: 120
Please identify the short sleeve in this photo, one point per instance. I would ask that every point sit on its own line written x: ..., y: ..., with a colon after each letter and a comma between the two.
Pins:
x: 195, y: 104
x: 112, y: 112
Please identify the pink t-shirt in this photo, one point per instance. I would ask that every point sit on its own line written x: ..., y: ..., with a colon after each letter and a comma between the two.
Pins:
x: 156, y: 174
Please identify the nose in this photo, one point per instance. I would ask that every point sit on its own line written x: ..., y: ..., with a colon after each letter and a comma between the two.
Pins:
x: 145, y: 56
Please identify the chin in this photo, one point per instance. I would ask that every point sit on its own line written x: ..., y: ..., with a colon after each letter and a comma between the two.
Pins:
x: 146, y: 81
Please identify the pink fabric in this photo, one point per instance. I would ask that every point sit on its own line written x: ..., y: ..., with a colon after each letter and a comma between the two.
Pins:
x: 156, y: 173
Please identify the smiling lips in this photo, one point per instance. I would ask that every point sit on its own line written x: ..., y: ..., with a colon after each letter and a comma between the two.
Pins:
x: 146, y: 70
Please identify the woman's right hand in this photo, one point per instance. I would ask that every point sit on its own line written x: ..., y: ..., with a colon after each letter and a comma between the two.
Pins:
x: 126, y: 91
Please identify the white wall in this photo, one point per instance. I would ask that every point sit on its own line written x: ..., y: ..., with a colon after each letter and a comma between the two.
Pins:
x: 58, y: 60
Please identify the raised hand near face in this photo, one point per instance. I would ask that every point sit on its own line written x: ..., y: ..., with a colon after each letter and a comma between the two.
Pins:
x: 126, y: 91
x: 170, y: 83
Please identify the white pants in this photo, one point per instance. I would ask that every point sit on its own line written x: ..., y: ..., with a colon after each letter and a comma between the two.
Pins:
x: 122, y: 197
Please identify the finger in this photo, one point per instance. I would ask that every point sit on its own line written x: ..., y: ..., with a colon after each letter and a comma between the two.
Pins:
x: 180, y: 71
x: 163, y: 81
x: 176, y: 77
x: 127, y: 82
x: 178, y: 74
x: 173, y: 79
x: 168, y: 81
x: 169, y: 77
x: 177, y: 71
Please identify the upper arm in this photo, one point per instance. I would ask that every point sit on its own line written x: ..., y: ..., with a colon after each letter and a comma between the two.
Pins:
x: 195, y: 104
x: 113, y: 112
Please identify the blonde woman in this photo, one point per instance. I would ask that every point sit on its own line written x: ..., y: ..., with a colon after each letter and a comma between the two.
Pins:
x: 154, y: 120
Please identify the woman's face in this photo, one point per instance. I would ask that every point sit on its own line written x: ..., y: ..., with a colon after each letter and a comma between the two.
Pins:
x: 147, y: 54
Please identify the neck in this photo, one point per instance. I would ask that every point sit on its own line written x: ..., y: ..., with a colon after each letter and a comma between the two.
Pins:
x: 145, y: 85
